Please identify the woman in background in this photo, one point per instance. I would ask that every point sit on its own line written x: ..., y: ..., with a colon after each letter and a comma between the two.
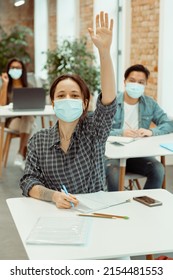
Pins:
x: 16, y: 77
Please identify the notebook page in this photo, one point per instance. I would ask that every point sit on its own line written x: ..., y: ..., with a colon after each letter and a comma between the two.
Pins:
x: 96, y: 201
x: 122, y: 140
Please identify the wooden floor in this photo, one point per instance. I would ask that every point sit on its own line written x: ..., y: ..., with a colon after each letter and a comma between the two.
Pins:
x: 10, y: 244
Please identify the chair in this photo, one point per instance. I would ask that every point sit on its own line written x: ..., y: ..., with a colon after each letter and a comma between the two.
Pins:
x: 133, y: 179
x: 10, y: 134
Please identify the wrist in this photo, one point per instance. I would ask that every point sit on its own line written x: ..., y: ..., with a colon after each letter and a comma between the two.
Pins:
x: 55, y: 196
x: 105, y: 53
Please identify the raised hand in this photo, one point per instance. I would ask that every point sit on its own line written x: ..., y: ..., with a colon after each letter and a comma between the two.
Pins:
x: 5, y: 78
x: 102, y: 37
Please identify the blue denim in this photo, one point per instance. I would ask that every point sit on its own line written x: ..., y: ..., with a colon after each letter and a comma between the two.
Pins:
x: 149, y: 111
x: 148, y: 167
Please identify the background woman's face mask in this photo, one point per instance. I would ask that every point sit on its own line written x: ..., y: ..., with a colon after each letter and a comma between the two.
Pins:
x: 15, y: 73
x: 68, y: 110
x: 134, y: 90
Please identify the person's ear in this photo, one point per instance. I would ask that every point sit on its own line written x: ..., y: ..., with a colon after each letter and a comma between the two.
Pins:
x: 85, y: 104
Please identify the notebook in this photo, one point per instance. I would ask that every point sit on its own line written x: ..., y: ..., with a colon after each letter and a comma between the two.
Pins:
x: 59, y: 230
x: 92, y: 202
x: 121, y: 139
x: 168, y: 146
x: 29, y: 99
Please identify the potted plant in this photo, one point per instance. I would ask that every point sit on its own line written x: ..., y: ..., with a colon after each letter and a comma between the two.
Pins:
x: 14, y: 44
x: 73, y: 57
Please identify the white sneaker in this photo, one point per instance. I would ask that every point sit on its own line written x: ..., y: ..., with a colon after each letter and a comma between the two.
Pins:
x: 18, y: 160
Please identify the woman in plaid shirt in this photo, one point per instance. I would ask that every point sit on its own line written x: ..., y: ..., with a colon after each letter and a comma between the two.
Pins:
x: 71, y: 153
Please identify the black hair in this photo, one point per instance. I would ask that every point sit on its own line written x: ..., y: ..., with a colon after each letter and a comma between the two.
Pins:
x: 138, y: 68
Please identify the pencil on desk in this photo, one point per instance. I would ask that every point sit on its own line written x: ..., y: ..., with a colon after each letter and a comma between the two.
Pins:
x: 101, y: 215
x: 111, y: 216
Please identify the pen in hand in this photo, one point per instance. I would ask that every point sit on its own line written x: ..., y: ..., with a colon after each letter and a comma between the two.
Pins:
x: 66, y: 192
x: 135, y: 132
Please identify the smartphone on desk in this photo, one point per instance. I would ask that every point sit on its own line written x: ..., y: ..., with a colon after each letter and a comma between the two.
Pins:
x: 149, y: 201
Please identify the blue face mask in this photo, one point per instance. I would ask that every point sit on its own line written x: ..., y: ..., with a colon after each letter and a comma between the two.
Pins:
x: 15, y: 73
x: 68, y: 110
x: 134, y: 90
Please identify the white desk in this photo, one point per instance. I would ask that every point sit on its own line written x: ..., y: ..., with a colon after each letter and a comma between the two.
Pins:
x: 6, y: 111
x: 144, y: 147
x: 148, y: 231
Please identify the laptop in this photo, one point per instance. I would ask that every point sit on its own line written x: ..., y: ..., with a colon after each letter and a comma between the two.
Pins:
x: 29, y: 99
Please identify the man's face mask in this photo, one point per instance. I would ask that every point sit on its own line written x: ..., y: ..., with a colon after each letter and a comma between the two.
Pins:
x: 134, y: 90
x: 68, y: 110
x: 15, y: 73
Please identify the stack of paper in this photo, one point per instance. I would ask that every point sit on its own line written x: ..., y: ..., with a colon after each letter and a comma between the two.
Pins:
x: 59, y: 230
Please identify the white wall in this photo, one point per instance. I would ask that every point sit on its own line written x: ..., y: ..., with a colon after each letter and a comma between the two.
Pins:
x: 40, y: 36
x: 67, y: 19
x: 165, y: 75
x: 165, y: 67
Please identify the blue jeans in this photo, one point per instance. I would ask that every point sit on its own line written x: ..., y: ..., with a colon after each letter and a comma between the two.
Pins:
x: 148, y: 167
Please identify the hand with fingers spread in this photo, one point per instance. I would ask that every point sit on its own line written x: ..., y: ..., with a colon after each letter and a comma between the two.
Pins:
x: 102, y: 38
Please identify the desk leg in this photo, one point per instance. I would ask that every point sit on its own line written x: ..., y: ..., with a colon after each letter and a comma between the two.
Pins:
x: 163, y: 161
x: 149, y: 257
x: 2, y: 124
x: 50, y: 122
x: 42, y: 122
x: 122, y: 174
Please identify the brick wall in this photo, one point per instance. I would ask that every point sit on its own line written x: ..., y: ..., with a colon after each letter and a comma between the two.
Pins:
x: 22, y: 15
x: 86, y: 19
x: 52, y: 38
x: 144, y: 35
x: 145, y: 39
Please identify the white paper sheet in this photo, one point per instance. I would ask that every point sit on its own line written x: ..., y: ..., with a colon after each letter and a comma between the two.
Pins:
x: 96, y: 201
x: 121, y: 140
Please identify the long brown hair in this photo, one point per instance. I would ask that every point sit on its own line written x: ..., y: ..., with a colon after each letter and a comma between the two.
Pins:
x: 23, y: 77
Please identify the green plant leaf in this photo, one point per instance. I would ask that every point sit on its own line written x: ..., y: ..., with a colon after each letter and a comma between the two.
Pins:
x: 14, y: 44
x: 73, y: 57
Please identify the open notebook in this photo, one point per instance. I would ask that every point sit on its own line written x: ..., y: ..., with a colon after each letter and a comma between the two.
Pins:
x: 96, y: 201
x: 121, y: 140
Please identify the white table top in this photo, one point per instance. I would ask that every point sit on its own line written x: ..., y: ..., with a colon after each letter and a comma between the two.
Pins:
x: 148, y: 231
x: 144, y: 147
x: 7, y: 111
